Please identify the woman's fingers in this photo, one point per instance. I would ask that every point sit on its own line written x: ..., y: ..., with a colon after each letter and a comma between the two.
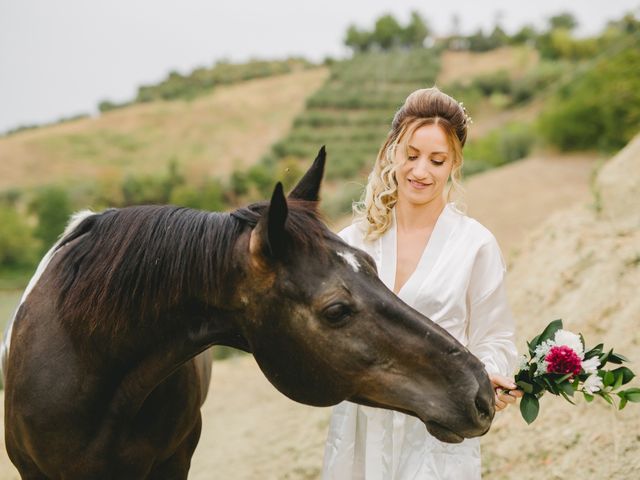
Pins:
x: 502, y: 382
x: 506, y: 398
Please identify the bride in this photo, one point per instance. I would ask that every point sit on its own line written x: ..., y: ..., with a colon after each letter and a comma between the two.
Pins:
x: 442, y: 263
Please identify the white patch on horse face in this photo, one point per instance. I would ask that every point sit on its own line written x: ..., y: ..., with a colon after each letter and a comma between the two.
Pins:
x: 350, y: 258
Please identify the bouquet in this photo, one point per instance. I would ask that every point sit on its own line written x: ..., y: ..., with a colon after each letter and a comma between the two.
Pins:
x: 559, y: 363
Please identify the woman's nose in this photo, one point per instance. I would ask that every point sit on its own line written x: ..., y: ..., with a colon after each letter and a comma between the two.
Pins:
x: 421, y: 168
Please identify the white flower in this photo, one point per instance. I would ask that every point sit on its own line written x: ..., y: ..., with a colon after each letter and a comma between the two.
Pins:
x: 523, y: 364
x: 591, y: 365
x: 539, y: 355
x: 592, y: 384
x: 571, y: 340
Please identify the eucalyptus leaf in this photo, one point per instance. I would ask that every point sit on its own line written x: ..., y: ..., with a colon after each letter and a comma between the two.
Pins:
x: 529, y: 407
x: 588, y: 397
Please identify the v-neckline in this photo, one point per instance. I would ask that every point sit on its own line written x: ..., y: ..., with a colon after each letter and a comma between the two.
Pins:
x: 425, y: 256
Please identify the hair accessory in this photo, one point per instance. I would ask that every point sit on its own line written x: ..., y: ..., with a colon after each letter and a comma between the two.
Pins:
x: 467, y: 118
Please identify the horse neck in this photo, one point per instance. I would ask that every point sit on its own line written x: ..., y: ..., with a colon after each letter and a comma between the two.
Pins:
x: 144, y: 271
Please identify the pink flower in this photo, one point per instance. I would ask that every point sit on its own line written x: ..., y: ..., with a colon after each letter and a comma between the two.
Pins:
x: 563, y: 359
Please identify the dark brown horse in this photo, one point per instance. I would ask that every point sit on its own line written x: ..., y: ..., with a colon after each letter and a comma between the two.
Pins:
x: 108, y: 368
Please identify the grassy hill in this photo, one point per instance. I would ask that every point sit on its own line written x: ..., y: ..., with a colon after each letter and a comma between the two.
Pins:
x: 210, y: 135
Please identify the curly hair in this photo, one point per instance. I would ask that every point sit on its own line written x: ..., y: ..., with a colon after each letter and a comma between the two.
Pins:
x: 427, y: 106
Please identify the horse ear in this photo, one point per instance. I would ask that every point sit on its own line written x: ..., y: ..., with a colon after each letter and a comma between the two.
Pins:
x: 269, y: 236
x: 308, y: 188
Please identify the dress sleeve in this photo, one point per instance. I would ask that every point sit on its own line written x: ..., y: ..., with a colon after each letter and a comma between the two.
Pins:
x: 491, y: 329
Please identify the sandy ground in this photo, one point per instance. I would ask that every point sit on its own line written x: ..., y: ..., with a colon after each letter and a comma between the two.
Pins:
x: 253, y: 432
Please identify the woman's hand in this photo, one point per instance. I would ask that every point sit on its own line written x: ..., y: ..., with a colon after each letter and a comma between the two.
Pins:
x: 506, y: 391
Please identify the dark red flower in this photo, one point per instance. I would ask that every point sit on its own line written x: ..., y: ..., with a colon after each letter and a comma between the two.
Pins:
x: 562, y: 359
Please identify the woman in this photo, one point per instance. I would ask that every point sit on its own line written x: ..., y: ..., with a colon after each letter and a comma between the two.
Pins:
x: 442, y: 263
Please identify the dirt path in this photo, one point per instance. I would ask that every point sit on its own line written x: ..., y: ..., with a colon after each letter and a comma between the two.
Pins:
x: 251, y: 431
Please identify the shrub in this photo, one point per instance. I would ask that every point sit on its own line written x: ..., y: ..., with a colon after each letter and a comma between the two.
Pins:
x: 599, y: 109
x: 18, y: 246
x: 499, y: 147
x: 52, y: 208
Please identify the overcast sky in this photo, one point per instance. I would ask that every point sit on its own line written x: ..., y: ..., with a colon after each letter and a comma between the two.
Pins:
x: 61, y: 57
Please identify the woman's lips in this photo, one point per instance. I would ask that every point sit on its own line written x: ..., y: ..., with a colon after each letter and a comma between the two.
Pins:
x: 419, y: 185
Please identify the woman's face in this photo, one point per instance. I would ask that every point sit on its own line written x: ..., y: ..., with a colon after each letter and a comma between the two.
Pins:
x: 423, y: 175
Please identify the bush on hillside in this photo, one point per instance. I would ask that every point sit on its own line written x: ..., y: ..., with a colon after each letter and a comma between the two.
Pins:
x: 52, y: 208
x: 202, y: 80
x: 19, y: 248
x: 499, y: 147
x: 599, y: 109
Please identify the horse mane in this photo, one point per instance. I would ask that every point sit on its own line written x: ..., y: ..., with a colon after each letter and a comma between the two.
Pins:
x: 127, y: 266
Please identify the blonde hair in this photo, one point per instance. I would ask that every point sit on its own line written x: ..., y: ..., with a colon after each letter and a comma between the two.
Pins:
x: 427, y: 106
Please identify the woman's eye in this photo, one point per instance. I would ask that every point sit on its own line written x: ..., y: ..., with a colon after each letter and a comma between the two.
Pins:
x: 413, y: 157
x: 337, y: 312
x: 437, y: 162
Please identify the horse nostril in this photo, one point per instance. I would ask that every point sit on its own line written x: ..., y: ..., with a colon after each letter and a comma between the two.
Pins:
x: 484, y: 405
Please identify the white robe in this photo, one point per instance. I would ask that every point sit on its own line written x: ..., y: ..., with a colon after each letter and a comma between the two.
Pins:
x: 459, y: 284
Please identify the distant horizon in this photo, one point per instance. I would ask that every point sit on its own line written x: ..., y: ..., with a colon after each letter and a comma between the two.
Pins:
x: 60, y: 60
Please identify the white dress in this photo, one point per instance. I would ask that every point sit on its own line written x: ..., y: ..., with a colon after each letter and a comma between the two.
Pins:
x: 459, y: 284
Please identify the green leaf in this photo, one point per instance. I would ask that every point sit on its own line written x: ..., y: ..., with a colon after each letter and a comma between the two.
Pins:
x: 627, y: 374
x: 564, y: 378
x: 608, y: 379
x: 566, y: 397
x: 595, y: 351
x: 607, y: 397
x: 604, y: 358
x: 566, y: 388
x: 623, y: 403
x: 549, y: 332
x: 550, y: 386
x: 588, y: 397
x: 617, y: 358
x: 529, y: 407
x: 631, y: 394
x: 525, y: 386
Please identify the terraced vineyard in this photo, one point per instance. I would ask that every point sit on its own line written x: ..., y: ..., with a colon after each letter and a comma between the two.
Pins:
x: 351, y: 114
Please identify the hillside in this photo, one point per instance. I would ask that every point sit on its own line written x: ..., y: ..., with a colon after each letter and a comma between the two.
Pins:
x: 210, y: 135
x: 581, y: 265
x: 252, y: 431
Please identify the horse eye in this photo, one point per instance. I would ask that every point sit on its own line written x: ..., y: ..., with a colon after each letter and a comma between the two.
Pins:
x: 337, y: 313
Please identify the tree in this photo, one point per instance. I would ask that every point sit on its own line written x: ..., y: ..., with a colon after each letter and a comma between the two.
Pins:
x: 564, y: 20
x: 358, y: 40
x: 415, y: 33
x: 387, y: 32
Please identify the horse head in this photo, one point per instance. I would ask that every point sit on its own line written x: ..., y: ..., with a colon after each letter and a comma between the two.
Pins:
x: 323, y: 327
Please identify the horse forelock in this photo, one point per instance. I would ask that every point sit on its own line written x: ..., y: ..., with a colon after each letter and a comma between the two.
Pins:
x: 132, y: 264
